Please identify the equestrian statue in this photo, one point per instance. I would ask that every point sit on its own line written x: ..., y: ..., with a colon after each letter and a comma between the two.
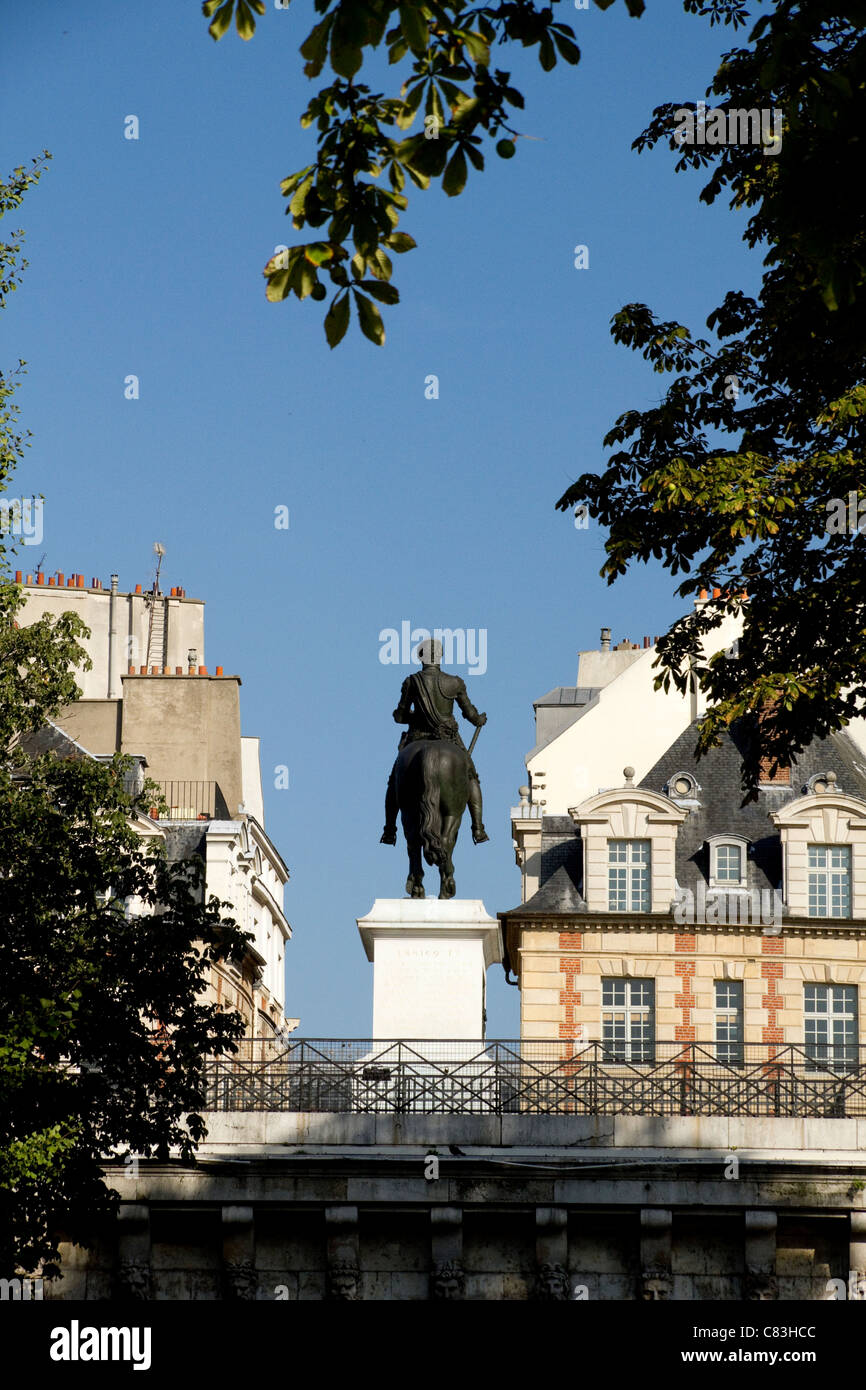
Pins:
x: 433, y: 779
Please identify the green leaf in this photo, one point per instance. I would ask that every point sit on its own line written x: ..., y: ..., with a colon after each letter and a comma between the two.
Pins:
x: 346, y: 52
x: 386, y: 294
x: 401, y: 242
x: 308, y: 280
x: 382, y: 265
x: 318, y: 252
x: 315, y: 45
x: 278, y: 286
x: 477, y: 48
x: 221, y: 20
x: 414, y: 26
x: 337, y: 320
x: 546, y: 53
x: 296, y: 206
x: 465, y: 110
x: 289, y: 184
x: 428, y: 157
x: 454, y: 178
x: 246, y: 25
x: 410, y: 106
x: 370, y: 319
x: 567, y: 47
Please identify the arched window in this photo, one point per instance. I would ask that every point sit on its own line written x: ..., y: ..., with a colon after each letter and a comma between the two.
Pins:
x: 728, y: 854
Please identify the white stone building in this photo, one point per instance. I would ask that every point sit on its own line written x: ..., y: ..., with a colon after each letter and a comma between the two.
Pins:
x: 149, y: 694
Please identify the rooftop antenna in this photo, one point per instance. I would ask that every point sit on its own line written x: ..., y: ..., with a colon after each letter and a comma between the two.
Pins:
x: 39, y: 566
x: 159, y: 551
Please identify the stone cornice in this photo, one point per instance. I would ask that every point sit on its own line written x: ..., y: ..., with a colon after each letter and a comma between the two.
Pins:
x: 634, y: 922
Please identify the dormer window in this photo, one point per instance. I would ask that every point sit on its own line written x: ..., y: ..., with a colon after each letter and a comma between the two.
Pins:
x: 821, y: 782
x: 628, y: 875
x: 728, y: 861
x: 829, y: 880
x: 629, y: 837
x: 682, y: 787
x: 824, y: 845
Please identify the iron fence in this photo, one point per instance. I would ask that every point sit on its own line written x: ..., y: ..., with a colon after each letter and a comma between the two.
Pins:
x: 360, y: 1076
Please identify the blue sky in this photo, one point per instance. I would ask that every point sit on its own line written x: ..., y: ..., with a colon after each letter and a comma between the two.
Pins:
x: 146, y: 257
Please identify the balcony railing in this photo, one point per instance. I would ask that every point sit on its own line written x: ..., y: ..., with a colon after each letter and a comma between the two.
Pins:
x: 192, y: 801
x: 357, y: 1076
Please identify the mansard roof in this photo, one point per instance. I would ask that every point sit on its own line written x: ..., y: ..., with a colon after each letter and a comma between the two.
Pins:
x: 715, y: 810
x: 559, y: 893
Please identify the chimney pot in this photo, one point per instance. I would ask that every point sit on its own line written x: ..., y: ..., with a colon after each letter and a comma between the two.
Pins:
x: 605, y: 639
x: 18, y: 576
x: 138, y: 588
x: 40, y: 577
x: 219, y: 670
x: 202, y: 670
x: 178, y: 670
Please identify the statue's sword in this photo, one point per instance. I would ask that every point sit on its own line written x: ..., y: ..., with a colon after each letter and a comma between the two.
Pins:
x: 478, y: 729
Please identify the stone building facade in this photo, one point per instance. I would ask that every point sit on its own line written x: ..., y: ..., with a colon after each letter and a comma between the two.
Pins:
x: 181, y: 725
x: 290, y: 1206
x: 739, y: 925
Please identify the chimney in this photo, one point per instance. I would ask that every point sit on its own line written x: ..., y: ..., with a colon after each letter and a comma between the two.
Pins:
x: 605, y: 639
x: 113, y: 640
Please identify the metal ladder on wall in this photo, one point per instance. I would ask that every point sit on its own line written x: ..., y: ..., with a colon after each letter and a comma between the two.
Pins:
x: 156, y: 633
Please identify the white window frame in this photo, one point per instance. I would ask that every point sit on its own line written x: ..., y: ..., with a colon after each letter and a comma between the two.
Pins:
x: 829, y: 884
x: 629, y: 876
x: 831, y: 1041
x: 726, y: 842
x: 628, y: 1019
x: 728, y: 1022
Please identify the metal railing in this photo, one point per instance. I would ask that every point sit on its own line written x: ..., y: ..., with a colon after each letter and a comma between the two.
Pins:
x: 192, y: 801
x: 358, y: 1076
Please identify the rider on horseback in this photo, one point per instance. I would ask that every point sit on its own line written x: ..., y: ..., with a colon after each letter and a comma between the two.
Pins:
x: 426, y: 703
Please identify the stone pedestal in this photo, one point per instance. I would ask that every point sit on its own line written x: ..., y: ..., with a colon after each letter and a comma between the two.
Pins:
x: 430, y: 959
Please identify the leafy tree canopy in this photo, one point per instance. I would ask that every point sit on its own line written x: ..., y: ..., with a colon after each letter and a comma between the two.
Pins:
x: 739, y: 477
x: 368, y: 157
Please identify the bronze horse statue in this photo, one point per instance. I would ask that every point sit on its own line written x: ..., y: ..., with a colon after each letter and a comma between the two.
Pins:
x: 432, y: 784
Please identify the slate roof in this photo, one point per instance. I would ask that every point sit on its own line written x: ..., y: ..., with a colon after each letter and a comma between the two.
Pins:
x: 559, y: 893
x: 719, y: 812
x: 568, y: 695
x: 51, y: 739
x: 716, y: 809
x: 559, y: 709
